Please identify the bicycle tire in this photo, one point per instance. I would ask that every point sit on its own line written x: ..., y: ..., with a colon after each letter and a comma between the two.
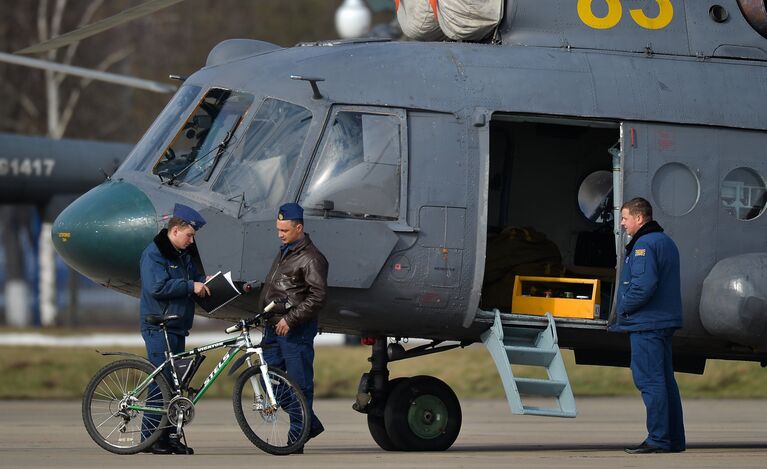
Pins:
x: 121, y: 433
x: 272, y: 431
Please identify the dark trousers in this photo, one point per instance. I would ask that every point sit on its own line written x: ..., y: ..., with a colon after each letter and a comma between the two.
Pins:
x: 294, y: 354
x: 155, y: 352
x: 653, y: 373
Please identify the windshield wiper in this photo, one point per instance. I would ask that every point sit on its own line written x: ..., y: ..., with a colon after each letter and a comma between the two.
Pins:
x: 183, y: 170
x: 221, y: 147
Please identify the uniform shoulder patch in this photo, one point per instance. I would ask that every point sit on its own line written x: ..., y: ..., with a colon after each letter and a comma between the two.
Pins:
x: 640, y: 252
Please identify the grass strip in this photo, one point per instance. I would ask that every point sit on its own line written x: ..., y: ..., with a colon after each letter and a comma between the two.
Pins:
x: 62, y: 373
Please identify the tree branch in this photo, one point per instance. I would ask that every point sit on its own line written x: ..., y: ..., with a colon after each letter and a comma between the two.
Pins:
x: 42, y: 20
x: 74, y: 96
x: 85, y: 19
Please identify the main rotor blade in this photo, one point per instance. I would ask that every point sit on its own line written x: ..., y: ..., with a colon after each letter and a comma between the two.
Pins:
x: 133, y: 82
x: 79, y: 34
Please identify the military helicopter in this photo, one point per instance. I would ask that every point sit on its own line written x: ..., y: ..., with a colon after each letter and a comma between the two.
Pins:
x: 413, y: 159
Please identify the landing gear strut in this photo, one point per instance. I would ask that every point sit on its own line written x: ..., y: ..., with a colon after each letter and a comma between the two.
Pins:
x: 420, y: 413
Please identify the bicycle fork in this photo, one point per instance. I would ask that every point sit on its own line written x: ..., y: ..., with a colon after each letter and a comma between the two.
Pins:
x: 257, y: 389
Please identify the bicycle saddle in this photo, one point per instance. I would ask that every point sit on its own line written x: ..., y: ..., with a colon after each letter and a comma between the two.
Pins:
x: 156, y: 320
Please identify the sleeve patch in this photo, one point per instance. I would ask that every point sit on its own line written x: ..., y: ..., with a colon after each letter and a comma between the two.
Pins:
x: 640, y: 252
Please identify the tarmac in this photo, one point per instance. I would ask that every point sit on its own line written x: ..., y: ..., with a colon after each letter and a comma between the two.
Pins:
x: 720, y: 433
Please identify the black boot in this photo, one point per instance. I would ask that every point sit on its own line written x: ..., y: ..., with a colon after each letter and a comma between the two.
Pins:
x: 315, y: 431
x: 160, y: 446
x: 177, y: 447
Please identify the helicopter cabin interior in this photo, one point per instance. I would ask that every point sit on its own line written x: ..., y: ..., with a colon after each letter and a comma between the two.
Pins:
x: 550, y: 216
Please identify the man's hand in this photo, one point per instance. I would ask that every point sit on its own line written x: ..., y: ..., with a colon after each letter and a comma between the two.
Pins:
x: 200, y: 289
x: 282, y: 328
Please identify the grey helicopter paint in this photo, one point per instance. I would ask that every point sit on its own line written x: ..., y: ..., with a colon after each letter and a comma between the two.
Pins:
x: 457, y: 140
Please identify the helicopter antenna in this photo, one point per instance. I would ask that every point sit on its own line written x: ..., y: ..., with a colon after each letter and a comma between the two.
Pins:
x: 312, y: 82
x: 242, y: 203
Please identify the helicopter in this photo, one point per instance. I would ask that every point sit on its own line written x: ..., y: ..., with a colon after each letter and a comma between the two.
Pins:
x: 441, y: 179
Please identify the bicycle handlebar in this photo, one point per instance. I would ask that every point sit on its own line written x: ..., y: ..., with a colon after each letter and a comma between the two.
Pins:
x: 234, y: 328
x: 248, y: 322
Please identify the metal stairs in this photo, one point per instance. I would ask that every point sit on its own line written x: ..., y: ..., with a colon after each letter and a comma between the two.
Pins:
x: 535, y: 346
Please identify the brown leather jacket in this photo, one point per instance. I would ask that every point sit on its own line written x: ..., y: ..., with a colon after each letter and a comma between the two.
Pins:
x: 301, y: 276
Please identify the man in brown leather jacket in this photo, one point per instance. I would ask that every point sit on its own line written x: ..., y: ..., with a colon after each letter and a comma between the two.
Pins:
x: 299, y: 275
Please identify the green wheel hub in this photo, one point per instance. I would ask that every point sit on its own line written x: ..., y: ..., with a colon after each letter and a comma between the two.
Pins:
x: 427, y: 416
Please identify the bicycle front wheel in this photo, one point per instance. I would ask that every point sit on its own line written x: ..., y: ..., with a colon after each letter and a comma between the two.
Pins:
x: 115, y: 409
x: 276, y: 429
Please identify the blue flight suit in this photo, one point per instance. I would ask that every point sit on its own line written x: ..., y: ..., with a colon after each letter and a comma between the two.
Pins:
x: 167, y: 286
x: 649, y: 308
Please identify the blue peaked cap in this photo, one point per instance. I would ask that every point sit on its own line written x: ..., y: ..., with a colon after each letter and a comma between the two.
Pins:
x: 290, y: 211
x: 189, y: 215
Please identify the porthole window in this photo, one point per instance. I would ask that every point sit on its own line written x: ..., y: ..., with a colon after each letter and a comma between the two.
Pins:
x: 595, y: 197
x: 675, y: 188
x: 743, y: 193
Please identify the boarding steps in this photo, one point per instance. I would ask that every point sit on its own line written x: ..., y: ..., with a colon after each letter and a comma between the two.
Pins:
x: 534, y: 346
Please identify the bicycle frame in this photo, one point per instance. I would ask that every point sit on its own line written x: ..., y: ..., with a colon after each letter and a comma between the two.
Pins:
x: 241, y: 343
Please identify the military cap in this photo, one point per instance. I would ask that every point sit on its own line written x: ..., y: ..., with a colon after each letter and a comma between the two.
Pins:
x: 290, y: 211
x: 191, y: 216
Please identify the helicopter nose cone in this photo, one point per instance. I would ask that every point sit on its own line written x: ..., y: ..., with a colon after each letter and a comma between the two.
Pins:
x: 103, y: 233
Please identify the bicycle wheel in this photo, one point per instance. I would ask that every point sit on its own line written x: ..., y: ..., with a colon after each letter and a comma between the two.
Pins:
x: 281, y: 430
x: 107, y: 413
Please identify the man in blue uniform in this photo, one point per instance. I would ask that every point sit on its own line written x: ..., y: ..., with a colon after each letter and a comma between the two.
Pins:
x: 299, y: 275
x: 649, y: 308
x: 168, y: 281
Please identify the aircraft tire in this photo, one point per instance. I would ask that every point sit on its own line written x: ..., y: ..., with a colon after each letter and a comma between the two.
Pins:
x: 377, y: 425
x: 422, y: 414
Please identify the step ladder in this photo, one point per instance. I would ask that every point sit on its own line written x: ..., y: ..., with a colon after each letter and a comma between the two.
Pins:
x: 517, y: 345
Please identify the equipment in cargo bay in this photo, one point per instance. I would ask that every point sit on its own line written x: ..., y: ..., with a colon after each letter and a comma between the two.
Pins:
x: 437, y: 173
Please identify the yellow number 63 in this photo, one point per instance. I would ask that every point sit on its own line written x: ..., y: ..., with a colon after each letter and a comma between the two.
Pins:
x: 615, y: 12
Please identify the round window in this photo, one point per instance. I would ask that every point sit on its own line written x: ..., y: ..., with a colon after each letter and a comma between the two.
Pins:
x: 743, y: 194
x: 595, y: 197
x: 675, y: 189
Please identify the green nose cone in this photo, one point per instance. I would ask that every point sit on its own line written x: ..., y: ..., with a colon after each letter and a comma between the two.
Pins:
x: 103, y: 233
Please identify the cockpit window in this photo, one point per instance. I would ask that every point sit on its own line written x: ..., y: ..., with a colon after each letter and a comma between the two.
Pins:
x: 357, y: 174
x: 203, y: 139
x: 262, y: 166
x: 152, y: 142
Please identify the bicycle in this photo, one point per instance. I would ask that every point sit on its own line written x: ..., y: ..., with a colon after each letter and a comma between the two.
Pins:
x: 129, y: 403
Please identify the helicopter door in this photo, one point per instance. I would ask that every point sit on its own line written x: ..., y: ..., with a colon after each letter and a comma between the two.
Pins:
x: 550, y: 197
x: 674, y: 167
x: 355, y: 192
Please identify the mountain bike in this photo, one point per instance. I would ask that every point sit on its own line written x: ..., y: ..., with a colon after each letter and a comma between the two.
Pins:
x: 130, y: 403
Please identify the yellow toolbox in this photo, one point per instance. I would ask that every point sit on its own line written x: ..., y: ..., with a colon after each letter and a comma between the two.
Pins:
x: 562, y: 297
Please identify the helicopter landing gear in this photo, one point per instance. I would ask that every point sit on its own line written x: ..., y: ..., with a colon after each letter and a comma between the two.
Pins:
x: 377, y: 423
x: 420, y: 413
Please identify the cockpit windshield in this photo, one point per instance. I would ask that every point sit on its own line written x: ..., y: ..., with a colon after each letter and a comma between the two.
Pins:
x: 151, y: 144
x: 262, y: 166
x: 358, y: 171
x: 201, y: 141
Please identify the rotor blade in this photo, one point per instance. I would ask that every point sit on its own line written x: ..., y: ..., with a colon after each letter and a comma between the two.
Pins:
x: 133, y: 82
x: 79, y: 34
